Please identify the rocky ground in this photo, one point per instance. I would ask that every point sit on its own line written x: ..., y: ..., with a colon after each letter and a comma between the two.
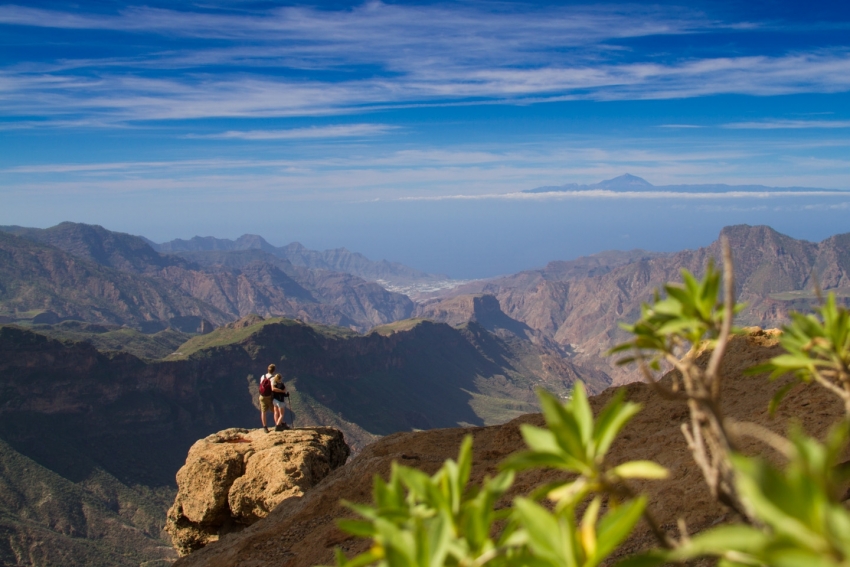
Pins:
x: 301, y: 532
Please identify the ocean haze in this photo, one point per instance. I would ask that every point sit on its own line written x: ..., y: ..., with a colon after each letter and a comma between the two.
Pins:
x: 482, y: 235
x: 478, y: 239
x: 483, y: 238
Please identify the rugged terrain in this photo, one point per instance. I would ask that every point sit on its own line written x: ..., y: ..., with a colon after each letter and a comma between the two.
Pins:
x: 86, y: 272
x: 301, y: 532
x: 90, y: 439
x: 579, y: 304
x: 75, y: 271
x: 337, y: 260
x: 413, y: 374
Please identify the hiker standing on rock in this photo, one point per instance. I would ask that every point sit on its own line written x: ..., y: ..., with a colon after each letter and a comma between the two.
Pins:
x: 266, y: 395
x: 279, y: 394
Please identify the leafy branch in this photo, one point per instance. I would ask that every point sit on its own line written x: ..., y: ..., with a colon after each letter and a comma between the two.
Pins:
x: 676, y: 330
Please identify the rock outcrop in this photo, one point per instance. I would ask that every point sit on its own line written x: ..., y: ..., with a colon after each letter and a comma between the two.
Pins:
x: 235, y: 477
x: 580, y: 304
x: 302, y: 532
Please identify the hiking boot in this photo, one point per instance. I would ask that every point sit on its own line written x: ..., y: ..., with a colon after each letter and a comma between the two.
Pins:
x: 266, y: 429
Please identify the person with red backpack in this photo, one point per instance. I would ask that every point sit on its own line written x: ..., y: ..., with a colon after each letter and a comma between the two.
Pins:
x: 266, y: 395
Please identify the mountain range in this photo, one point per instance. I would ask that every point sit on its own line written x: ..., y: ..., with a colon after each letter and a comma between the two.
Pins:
x: 579, y: 304
x: 632, y: 183
x: 115, y: 357
x: 92, y: 274
x: 337, y: 260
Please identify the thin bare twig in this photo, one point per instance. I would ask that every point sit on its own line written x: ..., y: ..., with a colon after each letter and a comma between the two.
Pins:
x: 661, y: 390
x: 749, y: 429
x: 712, y: 371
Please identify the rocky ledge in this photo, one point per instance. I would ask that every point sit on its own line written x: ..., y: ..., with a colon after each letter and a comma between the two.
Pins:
x: 235, y: 477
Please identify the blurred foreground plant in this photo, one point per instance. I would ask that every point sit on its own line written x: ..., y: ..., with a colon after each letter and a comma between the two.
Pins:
x: 427, y: 521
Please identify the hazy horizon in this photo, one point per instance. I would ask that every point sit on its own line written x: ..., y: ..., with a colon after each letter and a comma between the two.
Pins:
x: 471, y: 239
x: 396, y: 129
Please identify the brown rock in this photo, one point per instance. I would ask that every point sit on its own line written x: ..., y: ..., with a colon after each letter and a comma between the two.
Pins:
x: 235, y: 477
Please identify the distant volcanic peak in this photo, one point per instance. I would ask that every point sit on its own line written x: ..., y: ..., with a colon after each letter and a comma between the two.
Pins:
x: 625, y: 182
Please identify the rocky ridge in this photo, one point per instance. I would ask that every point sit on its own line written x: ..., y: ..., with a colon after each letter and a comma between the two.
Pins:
x: 89, y: 273
x: 336, y: 260
x: 235, y: 477
x: 580, y: 304
x: 301, y: 532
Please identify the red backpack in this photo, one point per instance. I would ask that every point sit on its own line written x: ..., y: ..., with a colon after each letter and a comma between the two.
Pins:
x: 265, y: 386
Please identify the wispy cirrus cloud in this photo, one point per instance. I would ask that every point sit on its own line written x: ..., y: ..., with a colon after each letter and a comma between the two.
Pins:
x: 110, y: 97
x: 788, y: 124
x: 301, y: 61
x: 313, y: 132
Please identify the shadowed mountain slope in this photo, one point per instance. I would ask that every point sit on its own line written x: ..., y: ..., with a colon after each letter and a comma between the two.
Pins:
x: 407, y: 375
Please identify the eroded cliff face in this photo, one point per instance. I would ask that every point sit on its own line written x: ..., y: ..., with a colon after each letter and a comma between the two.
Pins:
x: 235, y: 477
x: 580, y: 305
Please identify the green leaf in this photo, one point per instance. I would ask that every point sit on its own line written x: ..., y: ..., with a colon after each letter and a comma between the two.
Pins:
x: 539, y: 439
x: 778, y: 397
x: 716, y: 541
x: 464, y: 461
x: 543, y: 533
x: 611, y: 421
x: 359, y: 528
x: 616, y: 525
x: 563, y: 424
x: 570, y: 493
x: 583, y: 414
x: 641, y: 469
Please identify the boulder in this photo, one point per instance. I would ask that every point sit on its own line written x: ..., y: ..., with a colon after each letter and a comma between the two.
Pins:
x: 235, y: 477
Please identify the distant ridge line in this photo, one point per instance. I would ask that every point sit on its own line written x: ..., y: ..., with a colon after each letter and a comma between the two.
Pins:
x: 632, y: 183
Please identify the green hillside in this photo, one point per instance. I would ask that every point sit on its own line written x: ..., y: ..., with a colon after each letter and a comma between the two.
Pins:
x: 151, y: 346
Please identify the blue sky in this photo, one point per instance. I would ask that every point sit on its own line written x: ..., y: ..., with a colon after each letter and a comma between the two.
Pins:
x: 219, y: 118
